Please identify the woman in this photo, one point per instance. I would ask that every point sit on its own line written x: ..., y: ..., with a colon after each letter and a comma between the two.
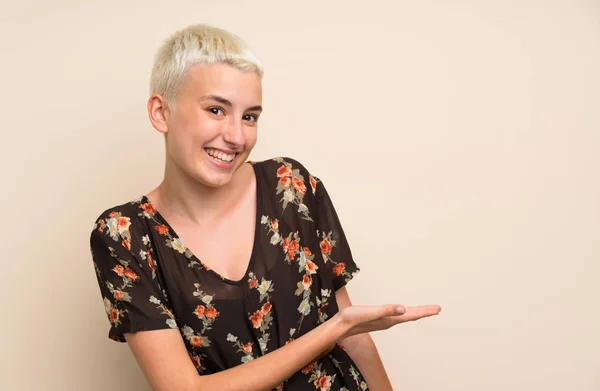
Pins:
x: 230, y: 261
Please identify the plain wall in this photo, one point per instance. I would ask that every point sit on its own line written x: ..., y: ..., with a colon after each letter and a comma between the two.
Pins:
x: 459, y: 140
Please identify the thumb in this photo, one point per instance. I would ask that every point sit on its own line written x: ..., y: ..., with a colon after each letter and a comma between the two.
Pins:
x: 391, y: 310
x: 398, y: 309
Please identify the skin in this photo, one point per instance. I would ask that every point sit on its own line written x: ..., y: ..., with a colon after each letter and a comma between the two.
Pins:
x: 218, y: 107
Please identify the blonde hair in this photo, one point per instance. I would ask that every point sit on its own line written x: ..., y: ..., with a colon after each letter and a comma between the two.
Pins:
x: 195, y: 44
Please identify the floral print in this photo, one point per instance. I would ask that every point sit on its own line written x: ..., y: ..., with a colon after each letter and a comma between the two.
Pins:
x: 149, y: 279
x: 244, y: 348
x: 322, y: 305
x: 294, y: 252
x: 291, y: 184
x: 327, y: 244
x: 319, y: 378
x: 164, y: 311
x: 121, y: 277
x: 261, y: 318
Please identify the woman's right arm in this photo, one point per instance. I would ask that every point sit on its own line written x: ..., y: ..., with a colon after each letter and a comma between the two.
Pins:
x: 162, y: 356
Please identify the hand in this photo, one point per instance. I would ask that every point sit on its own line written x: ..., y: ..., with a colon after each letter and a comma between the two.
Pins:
x: 365, y: 319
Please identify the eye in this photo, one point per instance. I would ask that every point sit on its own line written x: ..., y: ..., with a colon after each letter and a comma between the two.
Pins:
x: 251, y: 117
x: 216, y: 110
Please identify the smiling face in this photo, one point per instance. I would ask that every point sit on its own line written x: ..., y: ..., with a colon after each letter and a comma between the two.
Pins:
x: 213, y: 128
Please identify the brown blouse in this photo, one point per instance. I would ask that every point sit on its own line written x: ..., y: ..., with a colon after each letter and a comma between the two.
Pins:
x: 150, y: 280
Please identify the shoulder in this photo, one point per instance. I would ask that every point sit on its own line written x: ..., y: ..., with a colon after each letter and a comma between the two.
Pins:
x: 120, y: 223
x: 131, y: 210
x: 283, y: 169
x: 289, y: 186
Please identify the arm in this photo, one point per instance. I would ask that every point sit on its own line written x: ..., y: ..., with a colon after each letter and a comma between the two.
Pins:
x: 363, y: 352
x: 162, y: 356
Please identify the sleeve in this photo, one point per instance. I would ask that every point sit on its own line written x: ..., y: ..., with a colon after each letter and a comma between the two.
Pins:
x: 339, y: 263
x: 132, y: 296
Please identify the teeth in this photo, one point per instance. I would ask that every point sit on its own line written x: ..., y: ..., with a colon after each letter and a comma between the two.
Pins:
x: 220, y: 155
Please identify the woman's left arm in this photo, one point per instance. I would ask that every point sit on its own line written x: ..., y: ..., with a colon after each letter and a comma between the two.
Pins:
x: 364, y: 353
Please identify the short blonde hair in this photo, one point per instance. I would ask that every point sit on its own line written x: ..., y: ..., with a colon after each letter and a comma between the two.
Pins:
x: 195, y: 44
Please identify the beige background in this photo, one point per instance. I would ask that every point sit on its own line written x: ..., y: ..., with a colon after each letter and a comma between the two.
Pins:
x: 459, y: 140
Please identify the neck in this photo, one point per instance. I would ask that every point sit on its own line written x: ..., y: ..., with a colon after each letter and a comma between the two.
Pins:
x: 182, y: 198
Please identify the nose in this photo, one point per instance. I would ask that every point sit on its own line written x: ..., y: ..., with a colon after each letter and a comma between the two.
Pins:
x: 234, y: 134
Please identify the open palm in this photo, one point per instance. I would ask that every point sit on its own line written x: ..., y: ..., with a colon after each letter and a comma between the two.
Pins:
x: 365, y: 319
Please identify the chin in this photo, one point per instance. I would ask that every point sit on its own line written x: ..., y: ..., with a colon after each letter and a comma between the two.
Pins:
x: 214, y: 181
x: 210, y: 177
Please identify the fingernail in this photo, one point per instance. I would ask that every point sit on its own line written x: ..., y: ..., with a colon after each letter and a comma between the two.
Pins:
x: 400, y: 310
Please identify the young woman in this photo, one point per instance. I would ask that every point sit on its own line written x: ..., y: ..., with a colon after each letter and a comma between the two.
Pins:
x: 229, y: 261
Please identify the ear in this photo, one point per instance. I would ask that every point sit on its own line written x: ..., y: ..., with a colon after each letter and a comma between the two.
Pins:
x: 158, y: 112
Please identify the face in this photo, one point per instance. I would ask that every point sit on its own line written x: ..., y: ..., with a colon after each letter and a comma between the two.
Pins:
x: 213, y: 128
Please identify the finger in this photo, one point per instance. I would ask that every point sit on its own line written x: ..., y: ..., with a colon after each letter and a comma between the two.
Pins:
x: 361, y: 314
x: 419, y: 312
x: 385, y: 322
x: 381, y: 311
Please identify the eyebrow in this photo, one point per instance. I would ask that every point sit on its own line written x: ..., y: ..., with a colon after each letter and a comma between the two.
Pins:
x: 228, y: 103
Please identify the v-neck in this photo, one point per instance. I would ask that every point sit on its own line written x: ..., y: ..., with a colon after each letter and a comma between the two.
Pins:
x: 193, y: 257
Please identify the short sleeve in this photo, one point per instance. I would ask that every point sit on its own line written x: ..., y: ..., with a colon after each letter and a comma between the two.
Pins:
x: 128, y: 284
x: 335, y: 249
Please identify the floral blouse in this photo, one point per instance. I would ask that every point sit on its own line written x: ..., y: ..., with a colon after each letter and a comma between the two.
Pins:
x: 150, y: 280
